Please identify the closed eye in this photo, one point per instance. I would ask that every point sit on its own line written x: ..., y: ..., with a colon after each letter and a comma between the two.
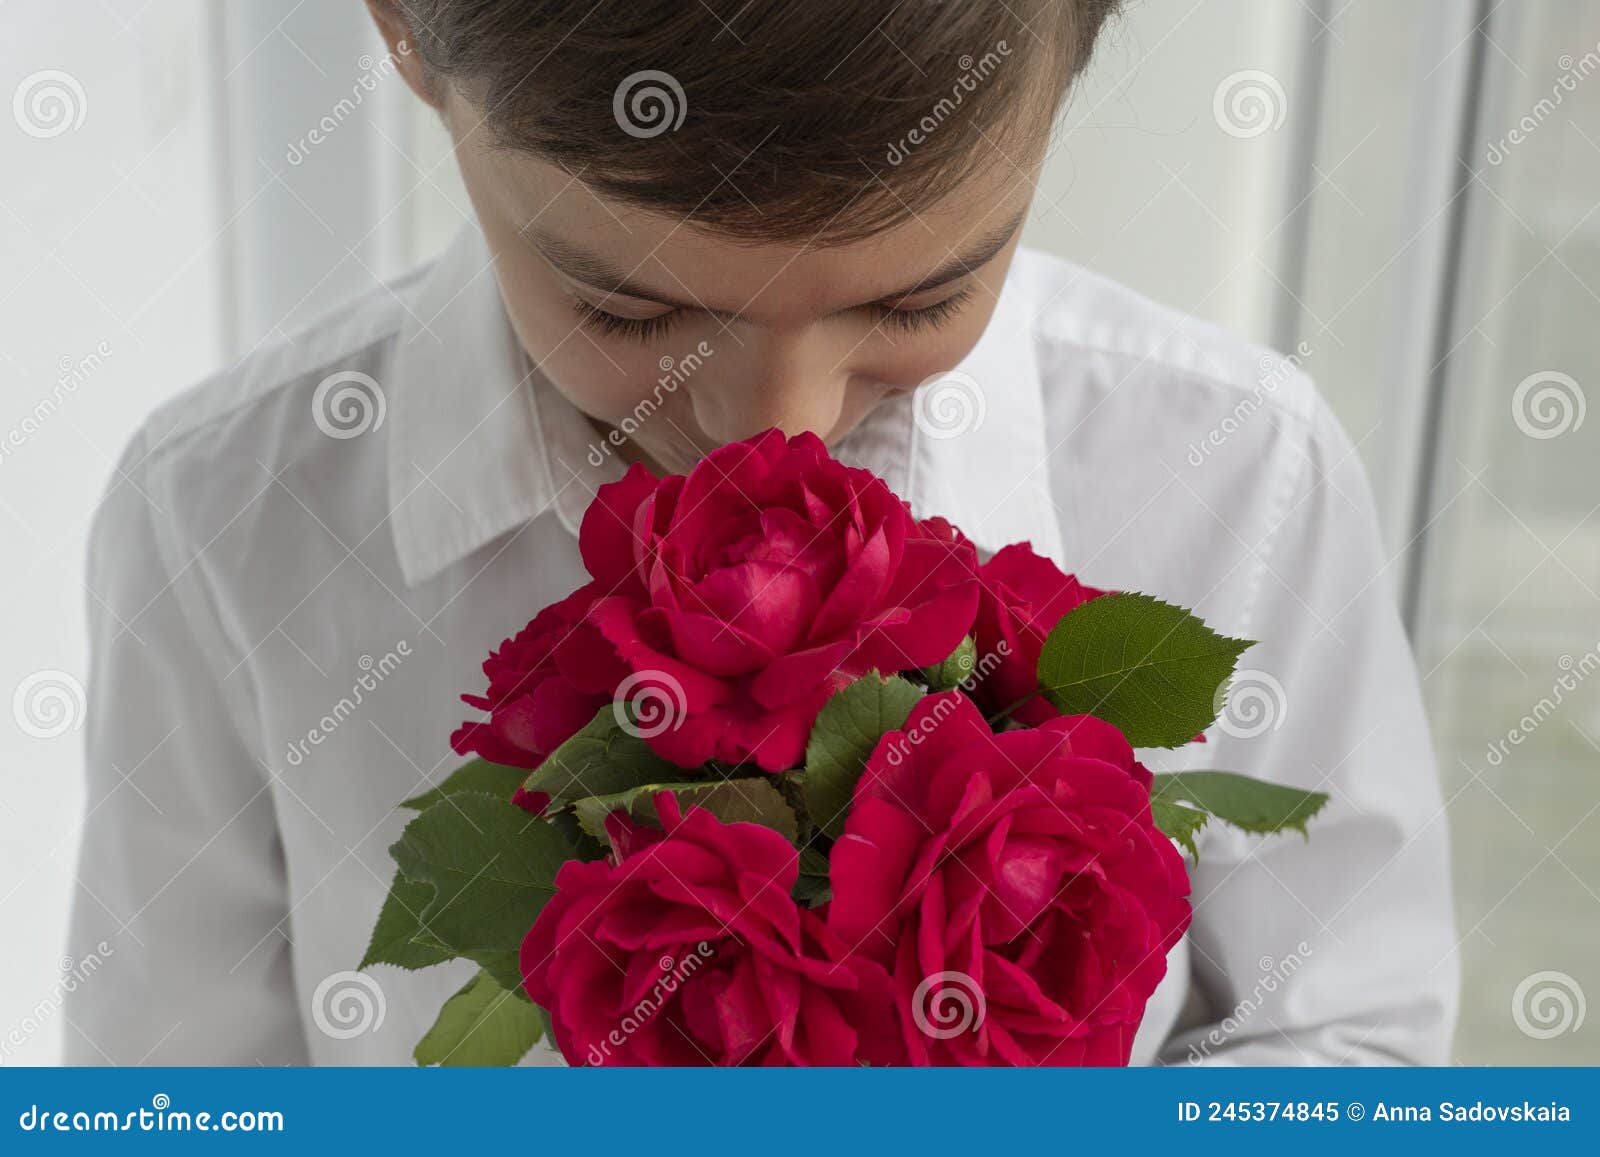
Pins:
x: 924, y: 317
x: 896, y: 318
x: 640, y: 329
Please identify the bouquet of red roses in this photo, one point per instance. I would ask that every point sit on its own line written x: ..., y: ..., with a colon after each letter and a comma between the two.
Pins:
x: 796, y: 780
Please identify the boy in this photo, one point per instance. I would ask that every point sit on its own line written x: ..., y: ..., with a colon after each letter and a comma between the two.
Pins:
x: 696, y: 221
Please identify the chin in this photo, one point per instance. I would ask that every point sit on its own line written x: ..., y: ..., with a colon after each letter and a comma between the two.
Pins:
x: 678, y: 452
x: 684, y: 446
x: 675, y: 459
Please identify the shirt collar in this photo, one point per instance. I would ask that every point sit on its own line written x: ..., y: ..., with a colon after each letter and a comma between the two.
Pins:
x: 480, y: 443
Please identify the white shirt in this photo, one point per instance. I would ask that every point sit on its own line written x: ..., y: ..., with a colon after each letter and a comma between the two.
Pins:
x: 282, y: 622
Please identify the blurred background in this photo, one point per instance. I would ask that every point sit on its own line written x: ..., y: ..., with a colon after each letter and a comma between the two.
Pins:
x: 1404, y: 196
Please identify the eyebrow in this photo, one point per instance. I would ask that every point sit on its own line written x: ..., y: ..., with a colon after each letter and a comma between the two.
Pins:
x: 597, y: 273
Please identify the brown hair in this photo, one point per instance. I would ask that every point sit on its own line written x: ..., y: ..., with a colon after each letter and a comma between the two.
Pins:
x: 768, y: 119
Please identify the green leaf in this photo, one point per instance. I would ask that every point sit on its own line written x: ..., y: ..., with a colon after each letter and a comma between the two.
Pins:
x: 847, y: 729
x: 602, y: 759
x: 479, y: 775
x: 1145, y: 666
x: 751, y: 800
x: 505, y: 965
x: 951, y: 673
x: 1179, y: 822
x: 395, y: 938
x: 429, y: 940
x: 813, y: 886
x: 586, y: 847
x: 755, y: 800
x: 1251, y: 804
x: 502, y: 964
x: 483, y: 1024
x: 492, y: 867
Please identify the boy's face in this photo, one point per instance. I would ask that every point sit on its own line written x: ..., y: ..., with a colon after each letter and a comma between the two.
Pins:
x: 686, y: 340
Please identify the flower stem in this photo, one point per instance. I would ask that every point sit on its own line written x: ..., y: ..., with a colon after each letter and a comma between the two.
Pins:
x: 1004, y: 714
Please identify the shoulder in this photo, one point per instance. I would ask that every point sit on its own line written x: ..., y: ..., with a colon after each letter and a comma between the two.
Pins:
x: 1082, y: 315
x: 281, y: 371
x: 203, y: 457
x: 1108, y: 354
x: 1165, y: 428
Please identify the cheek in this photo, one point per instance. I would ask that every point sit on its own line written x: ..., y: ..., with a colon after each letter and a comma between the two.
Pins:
x: 614, y: 385
x: 914, y: 357
x: 606, y: 385
x: 604, y: 378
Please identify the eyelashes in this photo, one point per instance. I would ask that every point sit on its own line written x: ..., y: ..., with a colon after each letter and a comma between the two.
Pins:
x: 641, y: 329
x: 918, y: 320
x: 904, y: 321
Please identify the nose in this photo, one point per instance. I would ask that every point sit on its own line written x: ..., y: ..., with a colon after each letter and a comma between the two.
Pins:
x: 795, y: 381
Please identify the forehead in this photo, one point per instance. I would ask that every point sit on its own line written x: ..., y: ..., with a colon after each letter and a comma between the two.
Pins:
x: 680, y: 257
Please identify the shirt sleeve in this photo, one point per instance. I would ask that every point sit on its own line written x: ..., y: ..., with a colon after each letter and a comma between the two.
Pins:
x: 180, y: 893
x: 1339, y: 948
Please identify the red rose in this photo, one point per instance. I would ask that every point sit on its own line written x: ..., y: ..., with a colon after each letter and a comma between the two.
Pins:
x: 545, y: 684
x: 771, y: 575
x: 1015, y: 885
x: 1023, y: 597
x: 690, y: 951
